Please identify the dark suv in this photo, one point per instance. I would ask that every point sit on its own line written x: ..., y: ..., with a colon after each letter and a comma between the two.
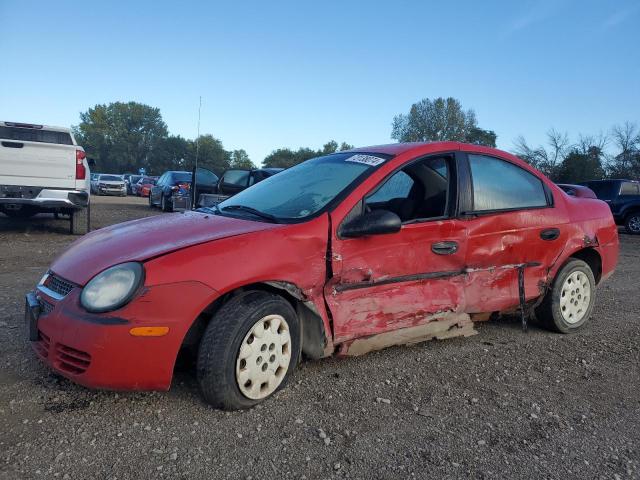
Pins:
x: 623, y: 196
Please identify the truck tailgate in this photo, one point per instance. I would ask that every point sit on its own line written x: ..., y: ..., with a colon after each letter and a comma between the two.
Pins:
x: 37, y: 164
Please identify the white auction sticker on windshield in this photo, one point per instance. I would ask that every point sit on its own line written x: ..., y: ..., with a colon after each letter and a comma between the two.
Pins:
x: 366, y: 159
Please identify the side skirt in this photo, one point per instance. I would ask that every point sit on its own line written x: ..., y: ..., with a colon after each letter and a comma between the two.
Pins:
x: 448, y: 326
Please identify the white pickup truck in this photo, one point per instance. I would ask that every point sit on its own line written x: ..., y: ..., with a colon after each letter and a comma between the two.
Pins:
x: 43, y: 169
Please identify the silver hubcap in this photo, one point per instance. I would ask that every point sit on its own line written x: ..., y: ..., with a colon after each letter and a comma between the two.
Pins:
x: 634, y: 223
x: 264, y: 356
x: 575, y: 297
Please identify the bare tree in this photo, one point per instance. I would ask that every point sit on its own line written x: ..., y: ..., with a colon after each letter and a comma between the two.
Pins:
x: 545, y: 160
x: 626, y: 139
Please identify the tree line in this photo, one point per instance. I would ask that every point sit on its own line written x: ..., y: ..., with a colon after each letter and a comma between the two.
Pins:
x: 123, y: 137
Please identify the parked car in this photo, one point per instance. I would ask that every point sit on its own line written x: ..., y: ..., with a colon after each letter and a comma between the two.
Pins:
x: 623, y: 197
x: 43, y: 169
x: 234, y: 181
x: 130, y: 182
x: 142, y: 187
x: 342, y: 254
x: 111, y: 185
x: 577, y: 190
x: 94, y: 182
x: 175, y: 186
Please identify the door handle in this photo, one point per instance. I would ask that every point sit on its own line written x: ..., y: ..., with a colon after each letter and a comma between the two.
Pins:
x: 444, y: 248
x: 13, y: 144
x: 550, y: 234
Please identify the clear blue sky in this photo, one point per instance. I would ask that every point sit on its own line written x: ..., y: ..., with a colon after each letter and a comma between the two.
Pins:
x: 297, y: 73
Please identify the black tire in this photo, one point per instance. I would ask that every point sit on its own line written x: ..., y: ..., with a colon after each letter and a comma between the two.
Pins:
x: 550, y: 312
x: 632, y: 223
x: 165, y: 205
x: 151, y: 205
x: 80, y: 221
x: 25, y: 212
x: 221, y: 342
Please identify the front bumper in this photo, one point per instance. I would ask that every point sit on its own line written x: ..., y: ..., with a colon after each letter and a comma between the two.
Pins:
x: 98, y: 351
x: 112, y: 190
x: 45, y: 198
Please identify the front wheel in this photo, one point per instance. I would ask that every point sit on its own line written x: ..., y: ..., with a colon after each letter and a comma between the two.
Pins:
x: 569, y: 303
x: 248, y: 351
x: 632, y: 223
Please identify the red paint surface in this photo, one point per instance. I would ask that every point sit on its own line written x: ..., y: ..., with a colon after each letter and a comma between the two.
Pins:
x: 191, y: 259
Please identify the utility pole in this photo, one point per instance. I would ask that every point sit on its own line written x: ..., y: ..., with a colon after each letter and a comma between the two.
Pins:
x: 194, y: 184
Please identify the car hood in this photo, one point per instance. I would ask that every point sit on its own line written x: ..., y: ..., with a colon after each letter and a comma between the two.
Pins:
x: 142, y: 239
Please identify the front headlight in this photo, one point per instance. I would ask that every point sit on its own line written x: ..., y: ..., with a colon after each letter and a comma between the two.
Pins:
x: 112, y: 288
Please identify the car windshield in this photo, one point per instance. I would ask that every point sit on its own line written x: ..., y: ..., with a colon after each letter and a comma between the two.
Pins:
x: 111, y: 178
x: 305, y: 189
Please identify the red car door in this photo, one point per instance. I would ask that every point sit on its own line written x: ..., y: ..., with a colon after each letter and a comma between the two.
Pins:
x: 513, y: 223
x: 387, y: 282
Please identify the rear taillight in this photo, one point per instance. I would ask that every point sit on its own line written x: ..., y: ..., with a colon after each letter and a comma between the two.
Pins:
x: 81, y: 172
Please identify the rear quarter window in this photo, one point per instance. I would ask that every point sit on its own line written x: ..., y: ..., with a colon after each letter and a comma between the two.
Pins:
x: 630, y: 188
x: 35, y: 135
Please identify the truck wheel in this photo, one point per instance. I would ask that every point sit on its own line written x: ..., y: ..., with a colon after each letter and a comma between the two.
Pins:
x: 248, y: 351
x: 568, y: 304
x: 25, y: 212
x: 80, y: 222
x: 165, y: 204
x: 632, y: 223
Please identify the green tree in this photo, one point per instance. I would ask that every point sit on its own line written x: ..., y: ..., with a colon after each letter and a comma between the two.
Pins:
x: 579, y: 166
x: 211, y: 154
x: 434, y: 120
x: 345, y: 146
x: 330, y: 147
x: 121, y: 136
x: 170, y: 153
x: 240, y: 159
x: 478, y: 136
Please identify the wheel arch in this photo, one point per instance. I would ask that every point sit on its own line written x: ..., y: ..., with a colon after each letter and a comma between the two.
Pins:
x: 314, y: 335
x: 592, y: 258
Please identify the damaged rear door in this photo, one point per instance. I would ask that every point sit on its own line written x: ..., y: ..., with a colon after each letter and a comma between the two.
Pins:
x: 514, y: 229
x: 394, y: 281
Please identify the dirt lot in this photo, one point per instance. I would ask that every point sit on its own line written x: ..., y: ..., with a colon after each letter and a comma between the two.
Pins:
x: 501, y: 404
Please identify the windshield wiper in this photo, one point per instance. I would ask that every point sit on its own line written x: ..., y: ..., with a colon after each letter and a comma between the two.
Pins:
x: 253, y: 211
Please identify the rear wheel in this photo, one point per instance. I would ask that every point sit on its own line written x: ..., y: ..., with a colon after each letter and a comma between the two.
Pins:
x: 165, y: 204
x: 632, y: 223
x: 569, y: 303
x: 80, y: 221
x: 248, y: 351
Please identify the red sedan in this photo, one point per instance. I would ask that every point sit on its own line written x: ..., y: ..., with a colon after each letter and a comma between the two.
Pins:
x: 342, y: 254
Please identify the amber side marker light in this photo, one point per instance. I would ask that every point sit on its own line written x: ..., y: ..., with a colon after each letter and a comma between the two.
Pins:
x: 149, y: 331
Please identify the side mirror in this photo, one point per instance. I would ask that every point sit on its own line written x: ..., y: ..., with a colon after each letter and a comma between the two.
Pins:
x: 377, y: 222
x: 91, y: 162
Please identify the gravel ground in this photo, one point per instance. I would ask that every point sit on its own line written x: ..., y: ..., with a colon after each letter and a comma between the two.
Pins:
x: 501, y: 404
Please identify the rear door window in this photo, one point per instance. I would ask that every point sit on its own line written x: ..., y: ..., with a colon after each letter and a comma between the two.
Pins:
x: 501, y: 185
x: 35, y: 135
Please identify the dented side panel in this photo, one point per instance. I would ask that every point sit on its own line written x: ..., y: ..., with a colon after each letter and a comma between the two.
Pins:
x: 390, y: 282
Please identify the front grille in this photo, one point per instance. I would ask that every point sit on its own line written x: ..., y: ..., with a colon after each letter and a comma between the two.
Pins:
x: 58, y: 285
x: 42, y: 345
x: 72, y: 360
